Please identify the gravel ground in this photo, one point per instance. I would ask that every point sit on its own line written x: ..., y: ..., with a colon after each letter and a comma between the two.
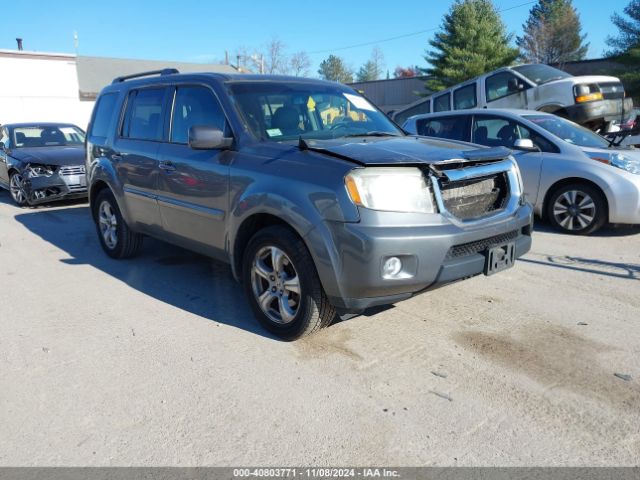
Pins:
x: 158, y: 361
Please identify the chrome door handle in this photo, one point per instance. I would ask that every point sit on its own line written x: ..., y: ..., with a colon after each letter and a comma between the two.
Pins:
x: 167, y: 166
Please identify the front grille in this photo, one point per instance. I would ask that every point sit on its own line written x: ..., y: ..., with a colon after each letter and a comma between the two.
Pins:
x: 479, y: 246
x: 612, y: 90
x: 73, y: 170
x: 469, y: 199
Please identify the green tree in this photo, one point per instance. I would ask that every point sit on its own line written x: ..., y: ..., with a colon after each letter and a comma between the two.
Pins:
x: 472, y: 40
x: 629, y: 29
x: 333, y: 68
x: 368, y: 72
x: 552, y: 34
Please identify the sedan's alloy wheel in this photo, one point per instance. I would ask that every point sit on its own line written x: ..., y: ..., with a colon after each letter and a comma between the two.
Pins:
x: 17, y: 189
x: 108, y: 224
x: 275, y: 284
x: 574, y: 210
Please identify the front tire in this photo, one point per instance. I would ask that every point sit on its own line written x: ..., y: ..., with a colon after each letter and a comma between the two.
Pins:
x: 116, y: 238
x: 16, y: 189
x: 577, y: 209
x: 282, y: 284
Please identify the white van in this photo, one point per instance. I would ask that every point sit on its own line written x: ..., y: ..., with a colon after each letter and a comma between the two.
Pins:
x: 590, y: 100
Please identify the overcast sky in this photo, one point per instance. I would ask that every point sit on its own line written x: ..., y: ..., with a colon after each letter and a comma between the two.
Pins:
x: 201, y: 31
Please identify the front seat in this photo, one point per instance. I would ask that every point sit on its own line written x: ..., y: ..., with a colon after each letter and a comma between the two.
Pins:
x: 287, y: 120
x: 507, y: 135
x: 481, y: 136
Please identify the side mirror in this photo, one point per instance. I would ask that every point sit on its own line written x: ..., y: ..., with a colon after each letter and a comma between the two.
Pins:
x: 208, y: 138
x: 514, y: 85
x: 2, y: 146
x: 525, y: 144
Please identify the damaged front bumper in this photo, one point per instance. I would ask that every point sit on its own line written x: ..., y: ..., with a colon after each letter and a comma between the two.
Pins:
x: 61, y: 183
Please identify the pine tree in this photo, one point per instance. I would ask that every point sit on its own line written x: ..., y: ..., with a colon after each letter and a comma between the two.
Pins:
x: 552, y: 34
x: 333, y: 68
x: 368, y: 72
x: 473, y: 40
x: 629, y: 29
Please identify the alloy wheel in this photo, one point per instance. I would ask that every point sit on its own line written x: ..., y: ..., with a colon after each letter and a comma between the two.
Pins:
x: 574, y: 210
x: 17, y: 189
x: 275, y: 284
x: 108, y: 224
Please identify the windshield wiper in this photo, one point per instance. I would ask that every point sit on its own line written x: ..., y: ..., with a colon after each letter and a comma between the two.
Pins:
x: 371, y: 134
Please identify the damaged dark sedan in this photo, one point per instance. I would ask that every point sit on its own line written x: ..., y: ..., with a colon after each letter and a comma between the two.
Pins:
x: 42, y: 162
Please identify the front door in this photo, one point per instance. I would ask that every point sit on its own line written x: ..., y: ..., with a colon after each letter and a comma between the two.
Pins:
x: 505, y: 90
x: 495, y: 131
x: 193, y: 184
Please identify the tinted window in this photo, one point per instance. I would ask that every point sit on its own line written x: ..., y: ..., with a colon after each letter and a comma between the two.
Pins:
x: 465, y: 97
x: 501, y: 85
x: 194, y: 106
x: 442, y: 103
x: 494, y: 131
x: 540, y: 74
x: 422, y: 107
x: 103, y: 114
x: 47, y: 136
x: 143, y: 120
x: 454, y: 128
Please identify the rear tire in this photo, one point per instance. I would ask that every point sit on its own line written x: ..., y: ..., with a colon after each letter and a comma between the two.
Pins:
x: 282, y: 285
x: 116, y: 238
x: 577, y: 209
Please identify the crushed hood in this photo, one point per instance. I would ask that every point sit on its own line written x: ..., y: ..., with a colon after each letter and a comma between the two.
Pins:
x: 59, y: 156
x: 409, y: 150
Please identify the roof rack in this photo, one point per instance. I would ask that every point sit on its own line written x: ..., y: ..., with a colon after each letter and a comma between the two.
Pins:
x: 164, y: 71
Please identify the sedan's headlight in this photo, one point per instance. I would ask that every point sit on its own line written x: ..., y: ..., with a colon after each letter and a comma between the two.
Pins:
x: 620, y: 160
x: 393, y: 189
x: 40, y: 170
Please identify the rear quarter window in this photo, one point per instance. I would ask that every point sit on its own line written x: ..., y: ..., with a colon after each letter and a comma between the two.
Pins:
x: 102, y: 116
x: 465, y: 97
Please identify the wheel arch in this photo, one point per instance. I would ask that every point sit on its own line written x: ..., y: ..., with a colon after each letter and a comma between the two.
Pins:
x: 569, y: 181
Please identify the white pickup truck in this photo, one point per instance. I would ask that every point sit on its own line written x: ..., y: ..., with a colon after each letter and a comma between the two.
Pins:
x: 590, y: 100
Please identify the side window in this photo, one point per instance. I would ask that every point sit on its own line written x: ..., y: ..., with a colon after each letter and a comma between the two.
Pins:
x: 143, y: 119
x: 453, y: 128
x: 494, y: 131
x: 194, y: 106
x: 442, y: 103
x: 537, y: 139
x: 102, y: 115
x: 465, y: 97
x: 501, y: 85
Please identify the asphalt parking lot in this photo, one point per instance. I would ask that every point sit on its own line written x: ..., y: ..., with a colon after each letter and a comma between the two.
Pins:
x: 158, y: 361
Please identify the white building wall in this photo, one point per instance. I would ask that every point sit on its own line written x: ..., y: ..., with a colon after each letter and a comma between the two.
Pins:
x: 39, y: 89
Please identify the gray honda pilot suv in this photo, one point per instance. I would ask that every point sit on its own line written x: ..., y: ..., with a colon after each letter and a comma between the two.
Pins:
x: 320, y: 203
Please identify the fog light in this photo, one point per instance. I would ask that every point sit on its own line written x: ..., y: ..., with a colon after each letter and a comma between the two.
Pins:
x: 392, y: 267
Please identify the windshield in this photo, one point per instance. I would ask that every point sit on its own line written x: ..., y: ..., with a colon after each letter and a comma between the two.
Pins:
x: 47, y: 136
x: 540, y: 74
x: 287, y: 111
x: 568, y: 131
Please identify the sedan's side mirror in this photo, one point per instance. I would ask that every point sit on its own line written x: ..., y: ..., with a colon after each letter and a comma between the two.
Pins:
x: 208, y: 138
x: 2, y: 147
x: 525, y: 144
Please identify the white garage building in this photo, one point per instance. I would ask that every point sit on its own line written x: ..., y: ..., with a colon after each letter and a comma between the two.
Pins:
x: 58, y: 87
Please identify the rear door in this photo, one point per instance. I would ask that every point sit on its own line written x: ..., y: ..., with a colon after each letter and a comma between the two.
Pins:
x: 453, y: 127
x: 193, y: 184
x: 135, y: 155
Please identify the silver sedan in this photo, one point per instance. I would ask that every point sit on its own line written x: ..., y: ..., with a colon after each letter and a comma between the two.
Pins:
x: 570, y: 174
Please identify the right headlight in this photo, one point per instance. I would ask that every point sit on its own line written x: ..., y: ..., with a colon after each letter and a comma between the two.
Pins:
x: 393, y: 189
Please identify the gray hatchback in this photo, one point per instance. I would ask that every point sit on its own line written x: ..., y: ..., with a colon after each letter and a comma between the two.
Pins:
x: 320, y: 204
